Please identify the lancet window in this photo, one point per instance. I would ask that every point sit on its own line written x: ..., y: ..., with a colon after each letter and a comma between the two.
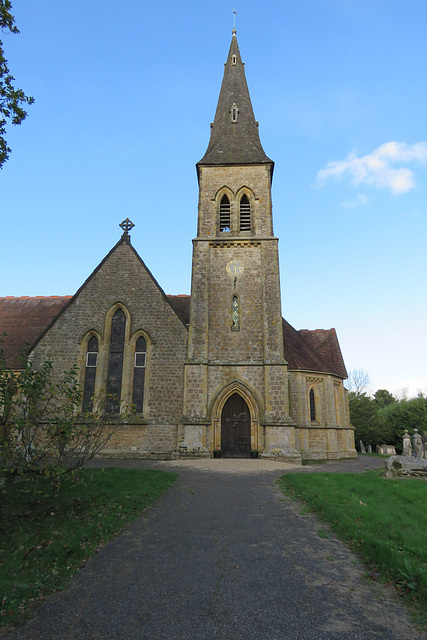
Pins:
x: 312, y: 406
x: 115, y: 361
x: 245, y: 213
x: 235, y: 315
x: 90, y: 373
x: 224, y: 214
x: 139, y: 374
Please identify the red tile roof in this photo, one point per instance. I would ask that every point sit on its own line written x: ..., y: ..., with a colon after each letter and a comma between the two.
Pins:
x: 24, y: 320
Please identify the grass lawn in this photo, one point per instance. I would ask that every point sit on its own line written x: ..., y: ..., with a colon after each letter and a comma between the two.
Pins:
x: 384, y: 520
x: 45, y: 537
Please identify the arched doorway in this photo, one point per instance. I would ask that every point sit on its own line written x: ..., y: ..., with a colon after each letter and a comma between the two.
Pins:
x: 235, y: 428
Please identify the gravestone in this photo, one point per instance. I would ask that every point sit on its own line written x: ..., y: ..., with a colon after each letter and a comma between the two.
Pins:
x: 369, y: 448
x: 417, y: 443
x: 407, y: 446
x: 362, y: 447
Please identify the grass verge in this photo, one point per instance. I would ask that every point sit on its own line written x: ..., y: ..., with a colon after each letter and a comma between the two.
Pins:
x: 45, y: 537
x: 383, y: 520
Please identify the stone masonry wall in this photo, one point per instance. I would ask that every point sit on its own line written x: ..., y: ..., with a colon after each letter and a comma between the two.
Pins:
x: 123, y: 278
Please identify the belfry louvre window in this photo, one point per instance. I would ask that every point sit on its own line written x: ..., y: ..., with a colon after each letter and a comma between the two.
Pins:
x: 245, y: 214
x: 115, y: 361
x: 139, y: 374
x: 90, y: 373
x: 224, y: 214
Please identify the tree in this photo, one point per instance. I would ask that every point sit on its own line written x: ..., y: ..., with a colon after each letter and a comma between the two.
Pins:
x: 12, y: 100
x: 42, y: 431
x: 364, y: 418
x: 406, y: 414
x: 382, y: 398
x: 358, y: 381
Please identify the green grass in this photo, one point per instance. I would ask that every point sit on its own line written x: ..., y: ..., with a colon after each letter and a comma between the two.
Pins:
x: 46, y: 537
x: 384, y: 520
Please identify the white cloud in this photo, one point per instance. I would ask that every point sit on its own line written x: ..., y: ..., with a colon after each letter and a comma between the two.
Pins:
x: 376, y: 168
x: 362, y: 201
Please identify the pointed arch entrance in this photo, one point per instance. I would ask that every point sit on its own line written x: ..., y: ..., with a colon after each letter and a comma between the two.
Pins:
x: 235, y: 428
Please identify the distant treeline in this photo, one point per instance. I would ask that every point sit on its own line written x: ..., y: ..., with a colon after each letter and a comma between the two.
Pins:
x: 382, y: 419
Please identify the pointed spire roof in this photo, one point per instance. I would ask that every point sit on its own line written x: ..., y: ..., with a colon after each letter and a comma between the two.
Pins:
x: 234, y: 133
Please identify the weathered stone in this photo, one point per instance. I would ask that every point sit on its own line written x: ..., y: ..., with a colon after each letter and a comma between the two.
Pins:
x: 407, y: 446
x: 406, y: 466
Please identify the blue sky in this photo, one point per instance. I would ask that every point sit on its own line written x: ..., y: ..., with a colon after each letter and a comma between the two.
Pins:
x: 124, y: 96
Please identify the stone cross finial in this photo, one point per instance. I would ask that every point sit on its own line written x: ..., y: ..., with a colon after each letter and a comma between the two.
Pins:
x: 126, y: 225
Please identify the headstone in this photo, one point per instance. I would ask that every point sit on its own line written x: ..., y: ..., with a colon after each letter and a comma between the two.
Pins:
x: 420, y: 453
x: 369, y: 448
x: 362, y: 447
x: 389, y: 450
x: 417, y: 443
x: 407, y: 446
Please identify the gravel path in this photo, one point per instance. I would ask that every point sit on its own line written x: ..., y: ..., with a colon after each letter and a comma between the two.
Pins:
x: 223, y: 555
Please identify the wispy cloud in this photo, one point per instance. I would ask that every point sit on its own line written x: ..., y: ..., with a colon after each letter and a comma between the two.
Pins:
x: 376, y: 168
x: 361, y: 201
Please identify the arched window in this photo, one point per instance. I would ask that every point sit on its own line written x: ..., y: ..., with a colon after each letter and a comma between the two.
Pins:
x: 224, y: 214
x: 312, y: 406
x: 245, y: 214
x: 235, y: 325
x: 90, y: 373
x: 337, y: 406
x: 139, y: 374
x: 234, y: 113
x: 115, y: 361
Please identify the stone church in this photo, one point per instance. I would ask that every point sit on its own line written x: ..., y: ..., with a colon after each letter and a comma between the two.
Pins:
x: 219, y: 369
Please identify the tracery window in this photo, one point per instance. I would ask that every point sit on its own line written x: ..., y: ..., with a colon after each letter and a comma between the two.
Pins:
x: 139, y: 374
x: 115, y: 361
x: 224, y: 214
x: 312, y: 406
x: 245, y: 213
x: 90, y: 373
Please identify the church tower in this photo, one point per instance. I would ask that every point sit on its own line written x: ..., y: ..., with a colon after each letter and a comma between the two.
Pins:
x: 236, y: 395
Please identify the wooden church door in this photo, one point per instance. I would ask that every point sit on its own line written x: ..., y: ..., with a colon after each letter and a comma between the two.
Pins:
x: 236, y: 428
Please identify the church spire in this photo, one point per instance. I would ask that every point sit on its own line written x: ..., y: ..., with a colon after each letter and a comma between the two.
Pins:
x: 234, y: 135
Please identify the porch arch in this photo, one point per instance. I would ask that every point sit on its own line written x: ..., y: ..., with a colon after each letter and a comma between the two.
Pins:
x: 252, y: 402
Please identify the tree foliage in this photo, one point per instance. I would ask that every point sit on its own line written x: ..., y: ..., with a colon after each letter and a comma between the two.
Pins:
x: 382, y: 419
x: 12, y: 100
x: 42, y: 431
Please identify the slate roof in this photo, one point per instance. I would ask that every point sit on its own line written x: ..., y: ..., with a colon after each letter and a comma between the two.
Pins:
x: 234, y: 142
x: 25, y: 319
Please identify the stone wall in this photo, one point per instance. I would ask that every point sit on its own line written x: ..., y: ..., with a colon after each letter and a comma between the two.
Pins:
x: 122, y: 280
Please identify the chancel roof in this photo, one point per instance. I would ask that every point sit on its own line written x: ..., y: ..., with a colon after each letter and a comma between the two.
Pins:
x: 25, y: 319
x: 234, y: 134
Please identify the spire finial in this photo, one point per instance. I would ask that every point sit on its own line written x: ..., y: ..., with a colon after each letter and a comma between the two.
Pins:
x: 234, y: 22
